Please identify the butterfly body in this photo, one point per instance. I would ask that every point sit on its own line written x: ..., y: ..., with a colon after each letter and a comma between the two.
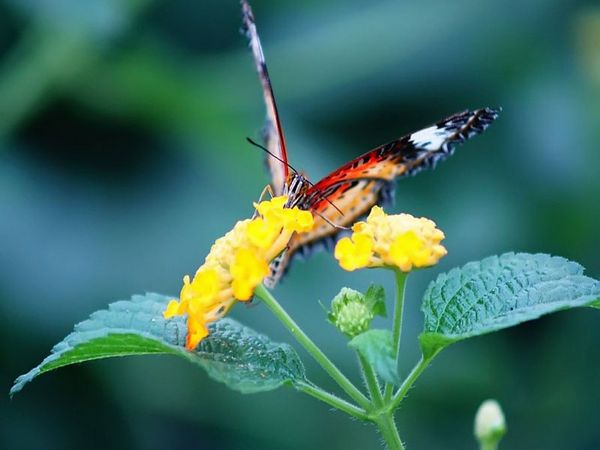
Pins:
x: 295, y: 188
x: 349, y: 192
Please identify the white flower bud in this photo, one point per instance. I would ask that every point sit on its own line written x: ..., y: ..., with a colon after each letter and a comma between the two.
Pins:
x: 490, y: 425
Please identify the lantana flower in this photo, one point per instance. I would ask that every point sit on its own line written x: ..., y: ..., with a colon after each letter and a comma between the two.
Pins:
x: 235, y: 265
x: 400, y: 241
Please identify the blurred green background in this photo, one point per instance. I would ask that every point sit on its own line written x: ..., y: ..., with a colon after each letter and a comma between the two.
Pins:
x: 123, y: 156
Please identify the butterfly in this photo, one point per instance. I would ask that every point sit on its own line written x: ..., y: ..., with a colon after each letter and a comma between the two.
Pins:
x: 349, y: 192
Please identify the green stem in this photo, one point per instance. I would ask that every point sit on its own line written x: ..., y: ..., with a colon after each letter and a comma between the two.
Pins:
x: 399, y: 308
x: 332, y: 400
x: 489, y: 445
x: 335, y: 373
x: 397, y: 325
x: 371, y: 381
x: 389, y: 432
x: 408, y: 382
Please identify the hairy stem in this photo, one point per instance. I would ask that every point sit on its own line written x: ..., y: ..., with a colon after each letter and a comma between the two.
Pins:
x: 408, y: 382
x: 389, y: 432
x: 331, y: 400
x: 371, y: 381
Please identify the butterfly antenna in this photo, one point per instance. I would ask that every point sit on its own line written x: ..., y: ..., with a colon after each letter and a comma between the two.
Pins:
x: 262, y: 147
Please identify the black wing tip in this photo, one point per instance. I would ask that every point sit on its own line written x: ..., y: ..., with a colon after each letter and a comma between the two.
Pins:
x: 460, y: 127
x: 481, y: 119
x: 470, y: 122
x: 484, y: 115
x: 488, y: 114
x: 491, y: 111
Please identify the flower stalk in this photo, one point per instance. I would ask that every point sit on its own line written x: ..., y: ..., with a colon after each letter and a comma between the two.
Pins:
x: 332, y: 400
x: 398, y: 309
x: 408, y: 382
x: 389, y: 432
x: 371, y: 382
x: 400, y: 278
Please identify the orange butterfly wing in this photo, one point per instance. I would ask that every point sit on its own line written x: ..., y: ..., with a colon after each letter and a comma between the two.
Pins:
x: 350, y: 192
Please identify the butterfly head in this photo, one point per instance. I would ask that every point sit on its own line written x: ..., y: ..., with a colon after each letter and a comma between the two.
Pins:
x: 295, y: 187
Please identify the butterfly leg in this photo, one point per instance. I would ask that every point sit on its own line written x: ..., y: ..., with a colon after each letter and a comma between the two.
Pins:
x: 268, y: 190
x: 337, y: 227
x: 277, y: 268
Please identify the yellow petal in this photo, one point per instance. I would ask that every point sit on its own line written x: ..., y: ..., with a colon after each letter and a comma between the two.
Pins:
x: 275, y: 203
x: 299, y: 220
x: 262, y: 233
x: 171, y: 310
x: 205, y: 284
x: 354, y: 253
x: 247, y: 270
x: 197, y: 331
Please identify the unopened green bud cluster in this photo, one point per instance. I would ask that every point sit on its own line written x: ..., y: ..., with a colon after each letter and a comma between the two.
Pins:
x: 353, y: 318
x: 352, y: 312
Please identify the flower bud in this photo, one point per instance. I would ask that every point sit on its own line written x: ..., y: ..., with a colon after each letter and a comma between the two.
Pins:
x: 350, y: 312
x: 490, y: 425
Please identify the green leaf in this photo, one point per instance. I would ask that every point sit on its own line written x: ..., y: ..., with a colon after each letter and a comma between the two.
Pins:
x: 233, y: 354
x: 377, y: 347
x: 375, y: 299
x: 499, y: 292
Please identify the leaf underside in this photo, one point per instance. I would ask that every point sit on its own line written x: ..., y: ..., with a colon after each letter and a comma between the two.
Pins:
x: 233, y: 354
x: 499, y: 292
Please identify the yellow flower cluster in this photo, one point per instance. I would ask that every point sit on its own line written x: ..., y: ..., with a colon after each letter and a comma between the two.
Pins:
x: 236, y: 264
x: 401, y: 241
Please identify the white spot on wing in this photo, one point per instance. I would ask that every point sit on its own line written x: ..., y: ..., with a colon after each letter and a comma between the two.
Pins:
x: 430, y: 138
